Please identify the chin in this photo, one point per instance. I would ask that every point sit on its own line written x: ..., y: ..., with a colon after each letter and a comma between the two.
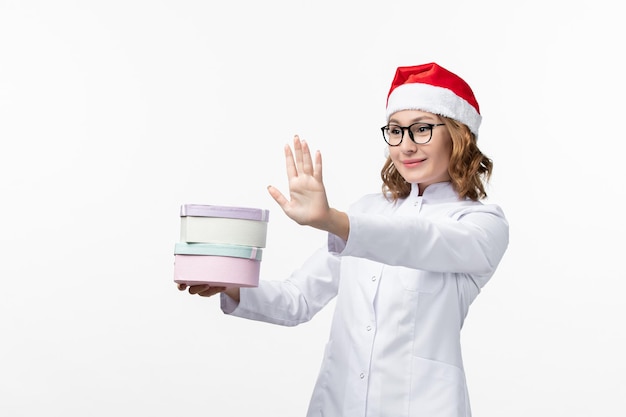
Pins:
x: 412, y: 179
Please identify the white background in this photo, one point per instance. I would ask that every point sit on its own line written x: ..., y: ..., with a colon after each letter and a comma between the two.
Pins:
x: 114, y: 113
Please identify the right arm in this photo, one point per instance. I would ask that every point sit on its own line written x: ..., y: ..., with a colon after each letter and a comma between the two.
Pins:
x: 292, y: 301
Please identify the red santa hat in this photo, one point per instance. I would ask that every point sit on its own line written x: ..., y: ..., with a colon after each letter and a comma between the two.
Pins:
x: 434, y: 89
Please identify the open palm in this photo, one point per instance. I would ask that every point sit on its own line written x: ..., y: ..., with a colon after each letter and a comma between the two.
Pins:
x: 307, y: 203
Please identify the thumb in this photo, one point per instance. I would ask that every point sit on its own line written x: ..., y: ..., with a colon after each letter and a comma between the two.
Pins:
x: 277, y: 196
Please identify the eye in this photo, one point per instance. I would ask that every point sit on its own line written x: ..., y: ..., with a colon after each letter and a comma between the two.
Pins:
x: 394, y: 130
x: 421, y: 128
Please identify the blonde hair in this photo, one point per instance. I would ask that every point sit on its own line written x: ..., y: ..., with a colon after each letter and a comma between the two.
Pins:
x: 469, y: 168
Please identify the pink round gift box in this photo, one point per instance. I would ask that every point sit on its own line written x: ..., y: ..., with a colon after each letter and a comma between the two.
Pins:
x: 217, y: 265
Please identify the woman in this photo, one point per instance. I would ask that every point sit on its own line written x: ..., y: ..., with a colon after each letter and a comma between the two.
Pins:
x: 405, y: 264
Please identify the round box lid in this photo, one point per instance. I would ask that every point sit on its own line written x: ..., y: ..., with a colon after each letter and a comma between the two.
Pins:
x: 214, y: 249
x: 204, y: 210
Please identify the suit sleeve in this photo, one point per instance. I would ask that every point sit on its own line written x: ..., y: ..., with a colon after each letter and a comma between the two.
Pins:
x: 472, y: 240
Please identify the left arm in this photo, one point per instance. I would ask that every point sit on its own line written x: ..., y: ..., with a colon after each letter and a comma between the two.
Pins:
x: 471, y: 241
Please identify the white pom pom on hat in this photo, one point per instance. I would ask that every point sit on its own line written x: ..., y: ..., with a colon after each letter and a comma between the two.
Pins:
x: 434, y: 89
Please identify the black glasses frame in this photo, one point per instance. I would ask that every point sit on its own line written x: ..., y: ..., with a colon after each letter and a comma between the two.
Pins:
x: 431, y: 126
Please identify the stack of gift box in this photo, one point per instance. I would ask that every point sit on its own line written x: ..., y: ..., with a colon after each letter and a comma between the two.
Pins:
x: 220, y: 246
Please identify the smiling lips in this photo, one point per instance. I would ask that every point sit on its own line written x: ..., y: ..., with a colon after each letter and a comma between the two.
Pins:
x: 411, y: 163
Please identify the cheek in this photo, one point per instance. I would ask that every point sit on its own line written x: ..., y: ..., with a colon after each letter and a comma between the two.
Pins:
x: 446, y: 155
x: 444, y: 161
x: 393, y: 152
x: 395, y: 157
x: 446, y: 151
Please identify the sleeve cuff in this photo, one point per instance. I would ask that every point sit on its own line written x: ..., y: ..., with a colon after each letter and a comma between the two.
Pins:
x: 336, y: 245
x: 228, y: 305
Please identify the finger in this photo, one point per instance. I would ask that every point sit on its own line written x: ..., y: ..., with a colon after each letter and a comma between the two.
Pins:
x: 211, y: 291
x: 278, y: 196
x: 181, y: 287
x: 292, y: 172
x: 297, y: 148
x: 307, y: 163
x: 318, y: 166
x: 195, y: 289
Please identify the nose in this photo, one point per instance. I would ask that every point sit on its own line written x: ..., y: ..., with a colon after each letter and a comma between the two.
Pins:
x: 407, y: 145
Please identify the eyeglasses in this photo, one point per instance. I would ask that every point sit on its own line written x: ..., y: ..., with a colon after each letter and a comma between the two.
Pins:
x: 419, y: 133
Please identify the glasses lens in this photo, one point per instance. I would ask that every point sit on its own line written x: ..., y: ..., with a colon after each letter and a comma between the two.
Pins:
x: 392, y: 134
x: 421, y: 132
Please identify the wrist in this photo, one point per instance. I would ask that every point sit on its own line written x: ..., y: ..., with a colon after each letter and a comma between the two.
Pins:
x: 232, y: 292
x: 338, y: 224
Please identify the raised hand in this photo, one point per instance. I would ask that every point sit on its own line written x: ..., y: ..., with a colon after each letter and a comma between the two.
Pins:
x: 307, y: 203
